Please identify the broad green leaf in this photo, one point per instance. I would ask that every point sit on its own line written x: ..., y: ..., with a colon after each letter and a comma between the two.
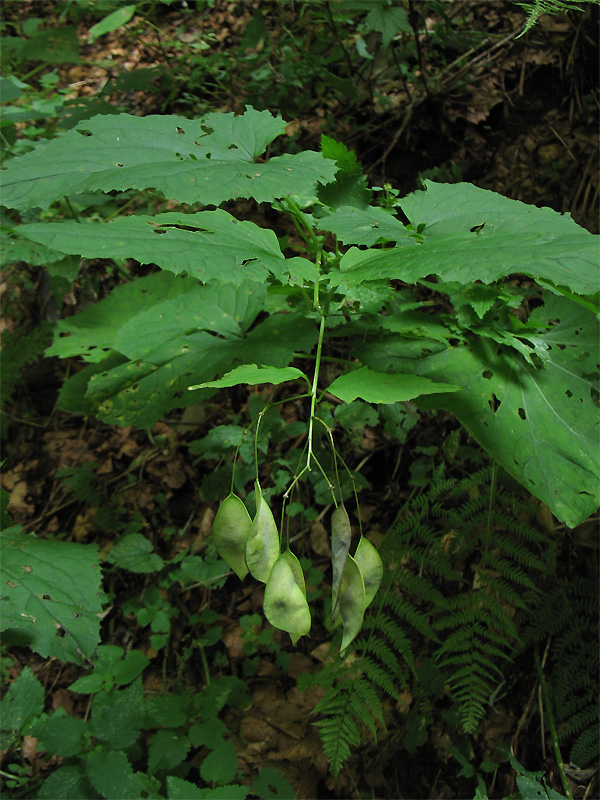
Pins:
x: 167, y: 750
x: 111, y: 774
x: 230, y: 530
x: 207, y: 160
x: 285, y: 603
x: 139, y: 392
x: 111, y: 22
x: 262, y: 547
x: 50, y: 586
x: 52, y: 46
x: 352, y: 603
x: 60, y: 734
x: 207, y: 734
x: 341, y: 536
x: 371, y: 568
x: 134, y: 552
x: 541, y: 424
x: 253, y: 374
x: 364, y: 226
x: 10, y: 88
x: 515, y: 238
x: 378, y: 387
x: 112, y: 667
x: 180, y: 789
x: 68, y: 783
x: 221, y: 765
x: 23, y: 702
x: 387, y: 20
x: 119, y: 715
x: 271, y: 785
x: 137, y: 317
x: 208, y: 245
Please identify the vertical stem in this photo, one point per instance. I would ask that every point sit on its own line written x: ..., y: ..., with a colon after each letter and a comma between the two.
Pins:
x: 313, y: 391
x: 552, y: 726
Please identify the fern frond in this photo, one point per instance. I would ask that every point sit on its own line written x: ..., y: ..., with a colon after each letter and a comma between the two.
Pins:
x: 587, y: 746
x: 538, y: 7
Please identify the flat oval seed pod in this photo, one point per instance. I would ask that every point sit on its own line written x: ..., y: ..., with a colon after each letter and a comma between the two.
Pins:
x: 298, y: 577
x: 352, y: 602
x: 341, y: 534
x: 371, y: 568
x: 284, y: 603
x: 230, y: 530
x: 262, y: 545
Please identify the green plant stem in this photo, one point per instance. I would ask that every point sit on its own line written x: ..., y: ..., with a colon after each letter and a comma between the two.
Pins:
x: 552, y: 726
x: 204, y: 662
x: 313, y: 391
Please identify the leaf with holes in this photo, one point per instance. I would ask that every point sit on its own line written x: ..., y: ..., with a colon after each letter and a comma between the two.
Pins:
x: 470, y: 234
x: 51, y: 595
x: 540, y: 424
x: 206, y: 161
x: 209, y: 245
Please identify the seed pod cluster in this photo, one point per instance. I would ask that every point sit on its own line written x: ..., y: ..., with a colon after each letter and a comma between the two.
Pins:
x: 356, y: 579
x: 252, y: 545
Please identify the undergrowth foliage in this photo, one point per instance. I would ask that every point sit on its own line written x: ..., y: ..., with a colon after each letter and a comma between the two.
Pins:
x: 479, y: 538
x: 230, y: 303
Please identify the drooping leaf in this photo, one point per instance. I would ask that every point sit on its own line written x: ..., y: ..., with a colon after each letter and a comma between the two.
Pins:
x: 472, y: 234
x: 253, y: 374
x: 231, y: 528
x: 50, y: 587
x: 341, y: 536
x: 378, y: 387
x: 540, y: 424
x: 160, y: 325
x: 285, y: 603
x: 262, y: 546
x: 371, y: 568
x: 205, y: 161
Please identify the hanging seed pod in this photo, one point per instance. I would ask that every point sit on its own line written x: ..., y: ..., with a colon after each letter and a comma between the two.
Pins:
x: 262, y: 545
x: 285, y: 603
x: 352, y: 602
x: 230, y: 531
x: 371, y: 568
x: 341, y: 534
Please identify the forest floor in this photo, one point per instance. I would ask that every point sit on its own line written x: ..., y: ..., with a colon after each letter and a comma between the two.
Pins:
x: 518, y: 118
